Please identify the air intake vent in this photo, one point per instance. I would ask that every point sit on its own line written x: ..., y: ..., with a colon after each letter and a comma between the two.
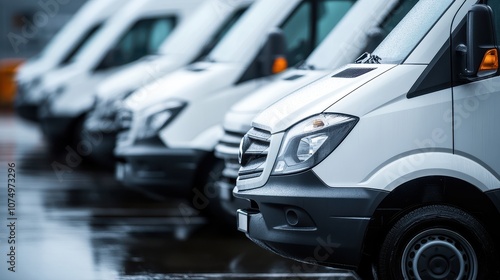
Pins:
x: 352, y: 72
x: 293, y: 77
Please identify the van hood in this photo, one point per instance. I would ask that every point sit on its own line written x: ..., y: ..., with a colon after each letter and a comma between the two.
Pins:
x: 281, y: 86
x: 137, y: 74
x: 186, y: 84
x: 77, y: 95
x: 58, y: 77
x: 317, y: 97
x: 31, y: 70
x: 239, y: 118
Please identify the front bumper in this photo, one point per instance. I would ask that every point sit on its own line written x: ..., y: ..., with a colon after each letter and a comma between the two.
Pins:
x: 158, y: 169
x: 26, y: 110
x: 227, y: 149
x: 229, y: 203
x: 299, y: 217
x: 103, y: 146
x: 26, y: 104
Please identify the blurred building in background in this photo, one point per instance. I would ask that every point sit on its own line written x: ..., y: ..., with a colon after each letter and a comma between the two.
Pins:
x: 27, y: 25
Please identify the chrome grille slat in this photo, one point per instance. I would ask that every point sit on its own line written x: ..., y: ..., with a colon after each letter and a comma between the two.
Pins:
x: 256, y: 145
x: 259, y: 134
x: 231, y: 139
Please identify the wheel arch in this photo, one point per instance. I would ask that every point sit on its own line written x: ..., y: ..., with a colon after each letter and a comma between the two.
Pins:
x: 426, y: 191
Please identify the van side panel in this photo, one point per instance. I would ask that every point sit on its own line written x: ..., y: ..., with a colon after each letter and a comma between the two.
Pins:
x: 388, y: 132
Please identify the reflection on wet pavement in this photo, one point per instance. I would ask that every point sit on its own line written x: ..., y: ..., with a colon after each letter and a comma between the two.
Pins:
x: 87, y: 226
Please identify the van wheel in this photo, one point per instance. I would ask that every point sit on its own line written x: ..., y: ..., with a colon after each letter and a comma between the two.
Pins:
x: 437, y: 242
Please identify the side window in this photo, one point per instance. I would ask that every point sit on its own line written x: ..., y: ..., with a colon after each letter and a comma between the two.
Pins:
x: 297, y: 30
x: 329, y: 13
x: 225, y: 27
x: 143, y: 38
x: 309, y: 24
x: 82, y: 42
x: 159, y: 32
x: 495, y: 6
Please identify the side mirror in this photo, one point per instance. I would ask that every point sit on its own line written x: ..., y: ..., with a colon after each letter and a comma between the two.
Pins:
x: 479, y: 58
x: 273, y: 56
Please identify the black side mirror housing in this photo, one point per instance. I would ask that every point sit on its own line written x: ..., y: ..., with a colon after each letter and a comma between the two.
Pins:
x: 479, y: 57
x: 273, y: 55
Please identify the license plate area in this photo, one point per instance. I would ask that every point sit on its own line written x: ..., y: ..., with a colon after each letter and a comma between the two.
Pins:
x: 120, y: 171
x: 242, y: 220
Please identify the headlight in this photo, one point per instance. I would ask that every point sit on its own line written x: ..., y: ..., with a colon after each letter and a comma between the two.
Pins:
x: 163, y: 115
x: 309, y: 142
x: 108, y: 108
x: 47, y: 99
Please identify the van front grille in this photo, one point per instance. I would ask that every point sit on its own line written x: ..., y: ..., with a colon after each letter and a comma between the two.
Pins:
x: 253, y: 153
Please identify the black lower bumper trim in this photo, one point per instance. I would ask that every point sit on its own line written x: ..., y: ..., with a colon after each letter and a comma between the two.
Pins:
x: 301, y: 218
x: 160, y: 170
x: 27, y: 111
x: 58, y: 129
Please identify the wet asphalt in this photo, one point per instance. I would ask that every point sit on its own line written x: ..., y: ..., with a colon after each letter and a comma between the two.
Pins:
x: 85, y: 225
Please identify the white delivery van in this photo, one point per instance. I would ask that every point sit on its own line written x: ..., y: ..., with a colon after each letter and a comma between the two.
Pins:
x: 340, y: 47
x: 190, y: 41
x: 136, y: 31
x: 58, y: 52
x: 169, y: 147
x: 393, y: 161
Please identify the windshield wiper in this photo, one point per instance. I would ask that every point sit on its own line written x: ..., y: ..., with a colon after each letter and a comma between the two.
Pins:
x: 304, y: 66
x: 368, y: 58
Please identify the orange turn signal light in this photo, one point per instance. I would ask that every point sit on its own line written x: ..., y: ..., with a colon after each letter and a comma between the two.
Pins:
x: 490, y: 61
x: 280, y: 64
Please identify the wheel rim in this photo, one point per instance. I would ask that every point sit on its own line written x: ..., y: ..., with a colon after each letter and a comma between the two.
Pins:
x: 439, y: 254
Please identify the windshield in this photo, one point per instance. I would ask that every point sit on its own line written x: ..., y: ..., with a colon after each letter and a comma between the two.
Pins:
x: 304, y: 25
x: 326, y: 55
x: 410, y: 31
x: 85, y: 44
x: 177, y: 42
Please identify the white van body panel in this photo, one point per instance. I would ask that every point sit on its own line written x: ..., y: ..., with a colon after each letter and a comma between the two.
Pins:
x: 240, y: 116
x: 69, y: 104
x: 92, y: 13
x: 342, y: 45
x: 128, y: 15
x: 195, y: 117
x: 136, y: 74
x: 185, y: 84
x: 179, y: 49
x: 372, y: 145
x: 475, y: 120
x: 79, y: 88
x: 425, y: 164
x: 211, y: 85
x: 302, y: 104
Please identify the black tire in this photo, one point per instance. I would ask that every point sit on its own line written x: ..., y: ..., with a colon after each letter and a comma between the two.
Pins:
x: 437, y: 242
